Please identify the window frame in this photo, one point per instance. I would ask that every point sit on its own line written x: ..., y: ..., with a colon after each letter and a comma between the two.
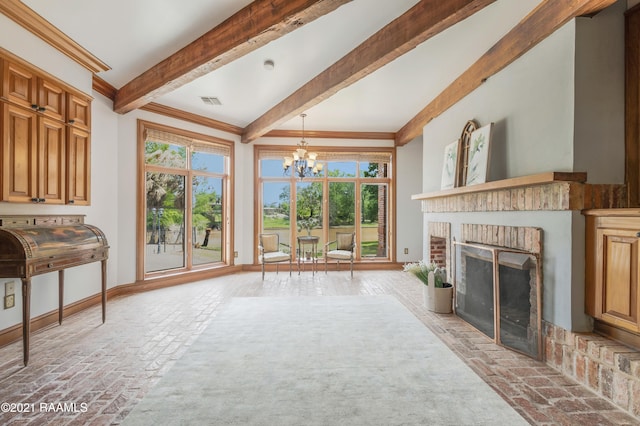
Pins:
x: 197, y: 142
x: 326, y: 154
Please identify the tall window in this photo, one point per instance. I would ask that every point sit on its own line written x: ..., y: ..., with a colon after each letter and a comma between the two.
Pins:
x: 184, y: 193
x: 352, y: 194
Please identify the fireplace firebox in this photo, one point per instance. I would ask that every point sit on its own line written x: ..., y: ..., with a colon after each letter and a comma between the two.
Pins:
x: 498, y: 291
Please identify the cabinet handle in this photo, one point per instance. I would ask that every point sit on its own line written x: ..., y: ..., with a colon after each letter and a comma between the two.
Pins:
x: 41, y: 109
x: 41, y: 200
x: 638, y: 234
x: 34, y: 106
x: 71, y: 201
x: 72, y: 121
x: 35, y: 200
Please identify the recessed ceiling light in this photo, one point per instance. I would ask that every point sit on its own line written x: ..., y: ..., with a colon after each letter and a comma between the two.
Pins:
x: 210, y: 100
x: 269, y: 64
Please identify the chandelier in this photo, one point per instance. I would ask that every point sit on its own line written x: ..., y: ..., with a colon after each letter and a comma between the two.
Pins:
x: 302, y: 163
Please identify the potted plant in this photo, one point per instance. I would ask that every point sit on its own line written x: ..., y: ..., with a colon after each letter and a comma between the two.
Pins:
x: 437, y: 293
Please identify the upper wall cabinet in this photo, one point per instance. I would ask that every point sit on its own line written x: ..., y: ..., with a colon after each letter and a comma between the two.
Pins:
x: 78, y: 111
x: 19, y: 84
x: 45, y: 127
x: 51, y: 99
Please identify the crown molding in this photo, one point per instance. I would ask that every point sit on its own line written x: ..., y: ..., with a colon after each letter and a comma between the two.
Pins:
x: 104, y: 88
x: 36, y: 24
x: 193, y: 118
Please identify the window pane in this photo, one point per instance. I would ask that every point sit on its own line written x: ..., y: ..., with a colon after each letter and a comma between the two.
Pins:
x: 342, y: 208
x: 276, y: 198
x: 373, y: 170
x: 271, y: 168
x: 165, y: 222
x: 342, y: 169
x: 207, y: 220
x: 207, y: 161
x: 309, y: 210
x: 373, y: 226
x: 164, y: 154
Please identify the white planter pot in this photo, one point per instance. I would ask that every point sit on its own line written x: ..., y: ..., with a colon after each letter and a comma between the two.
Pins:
x: 442, y: 300
x: 428, y: 297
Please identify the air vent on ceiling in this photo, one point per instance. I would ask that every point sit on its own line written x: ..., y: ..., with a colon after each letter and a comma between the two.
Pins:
x: 210, y: 100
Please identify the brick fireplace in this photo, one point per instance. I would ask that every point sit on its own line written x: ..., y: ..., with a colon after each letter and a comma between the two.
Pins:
x: 520, y: 213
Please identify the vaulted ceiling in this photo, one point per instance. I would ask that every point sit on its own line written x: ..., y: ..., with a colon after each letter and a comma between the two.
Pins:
x: 363, y: 68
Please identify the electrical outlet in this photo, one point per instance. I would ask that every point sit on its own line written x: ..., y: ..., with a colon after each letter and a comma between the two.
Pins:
x: 9, y: 301
x: 406, y: 250
x: 9, y: 288
x: 235, y: 254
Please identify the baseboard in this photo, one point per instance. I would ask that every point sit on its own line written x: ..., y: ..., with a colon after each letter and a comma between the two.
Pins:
x: 14, y: 333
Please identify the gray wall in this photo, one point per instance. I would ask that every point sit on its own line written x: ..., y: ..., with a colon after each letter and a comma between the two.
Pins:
x: 552, y: 110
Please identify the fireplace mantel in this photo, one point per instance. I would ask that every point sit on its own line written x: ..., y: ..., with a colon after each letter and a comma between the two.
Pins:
x: 554, y: 191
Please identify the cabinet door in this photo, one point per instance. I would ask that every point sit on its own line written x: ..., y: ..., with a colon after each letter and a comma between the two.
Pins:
x: 18, y: 84
x: 19, y: 154
x: 51, y: 173
x: 51, y: 99
x: 78, y: 111
x: 618, y: 278
x: 78, y: 167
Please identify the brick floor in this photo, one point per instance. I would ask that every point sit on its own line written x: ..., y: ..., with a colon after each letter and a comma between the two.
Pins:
x: 101, y: 371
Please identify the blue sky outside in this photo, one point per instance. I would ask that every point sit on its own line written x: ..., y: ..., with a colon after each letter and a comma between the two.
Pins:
x: 273, y: 168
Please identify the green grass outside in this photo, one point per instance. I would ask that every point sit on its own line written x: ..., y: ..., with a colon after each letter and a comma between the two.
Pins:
x: 369, y: 248
x: 275, y: 223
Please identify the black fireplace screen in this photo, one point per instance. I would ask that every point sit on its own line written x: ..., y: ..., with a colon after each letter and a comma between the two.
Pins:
x: 498, y: 290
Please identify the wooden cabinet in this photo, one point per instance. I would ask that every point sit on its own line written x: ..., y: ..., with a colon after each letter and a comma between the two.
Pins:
x: 46, y: 137
x: 612, y: 267
x: 79, y: 112
x: 51, y: 99
x: 19, y: 84
x: 78, y: 167
x: 19, y: 151
x: 52, y: 161
x: 33, y: 157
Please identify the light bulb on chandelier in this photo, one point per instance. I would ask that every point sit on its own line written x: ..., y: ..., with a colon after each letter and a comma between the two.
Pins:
x: 302, y: 163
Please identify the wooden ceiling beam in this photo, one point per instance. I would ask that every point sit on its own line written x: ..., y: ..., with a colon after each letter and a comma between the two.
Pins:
x: 541, y: 22
x: 252, y: 27
x: 423, y: 21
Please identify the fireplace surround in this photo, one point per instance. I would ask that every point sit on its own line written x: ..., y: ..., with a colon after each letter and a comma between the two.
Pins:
x: 553, y: 202
x: 488, y: 255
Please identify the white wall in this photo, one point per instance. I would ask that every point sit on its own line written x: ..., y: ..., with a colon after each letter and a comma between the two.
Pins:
x: 409, y: 230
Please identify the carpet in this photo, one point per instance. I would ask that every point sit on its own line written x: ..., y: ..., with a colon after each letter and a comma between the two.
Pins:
x: 345, y: 360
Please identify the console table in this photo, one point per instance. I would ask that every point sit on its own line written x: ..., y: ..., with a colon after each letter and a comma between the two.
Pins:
x: 34, y: 245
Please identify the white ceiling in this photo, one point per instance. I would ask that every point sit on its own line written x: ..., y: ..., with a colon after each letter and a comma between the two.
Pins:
x: 133, y: 35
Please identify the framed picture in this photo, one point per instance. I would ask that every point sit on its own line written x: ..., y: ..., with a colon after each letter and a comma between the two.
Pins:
x: 478, y: 155
x: 450, y: 167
